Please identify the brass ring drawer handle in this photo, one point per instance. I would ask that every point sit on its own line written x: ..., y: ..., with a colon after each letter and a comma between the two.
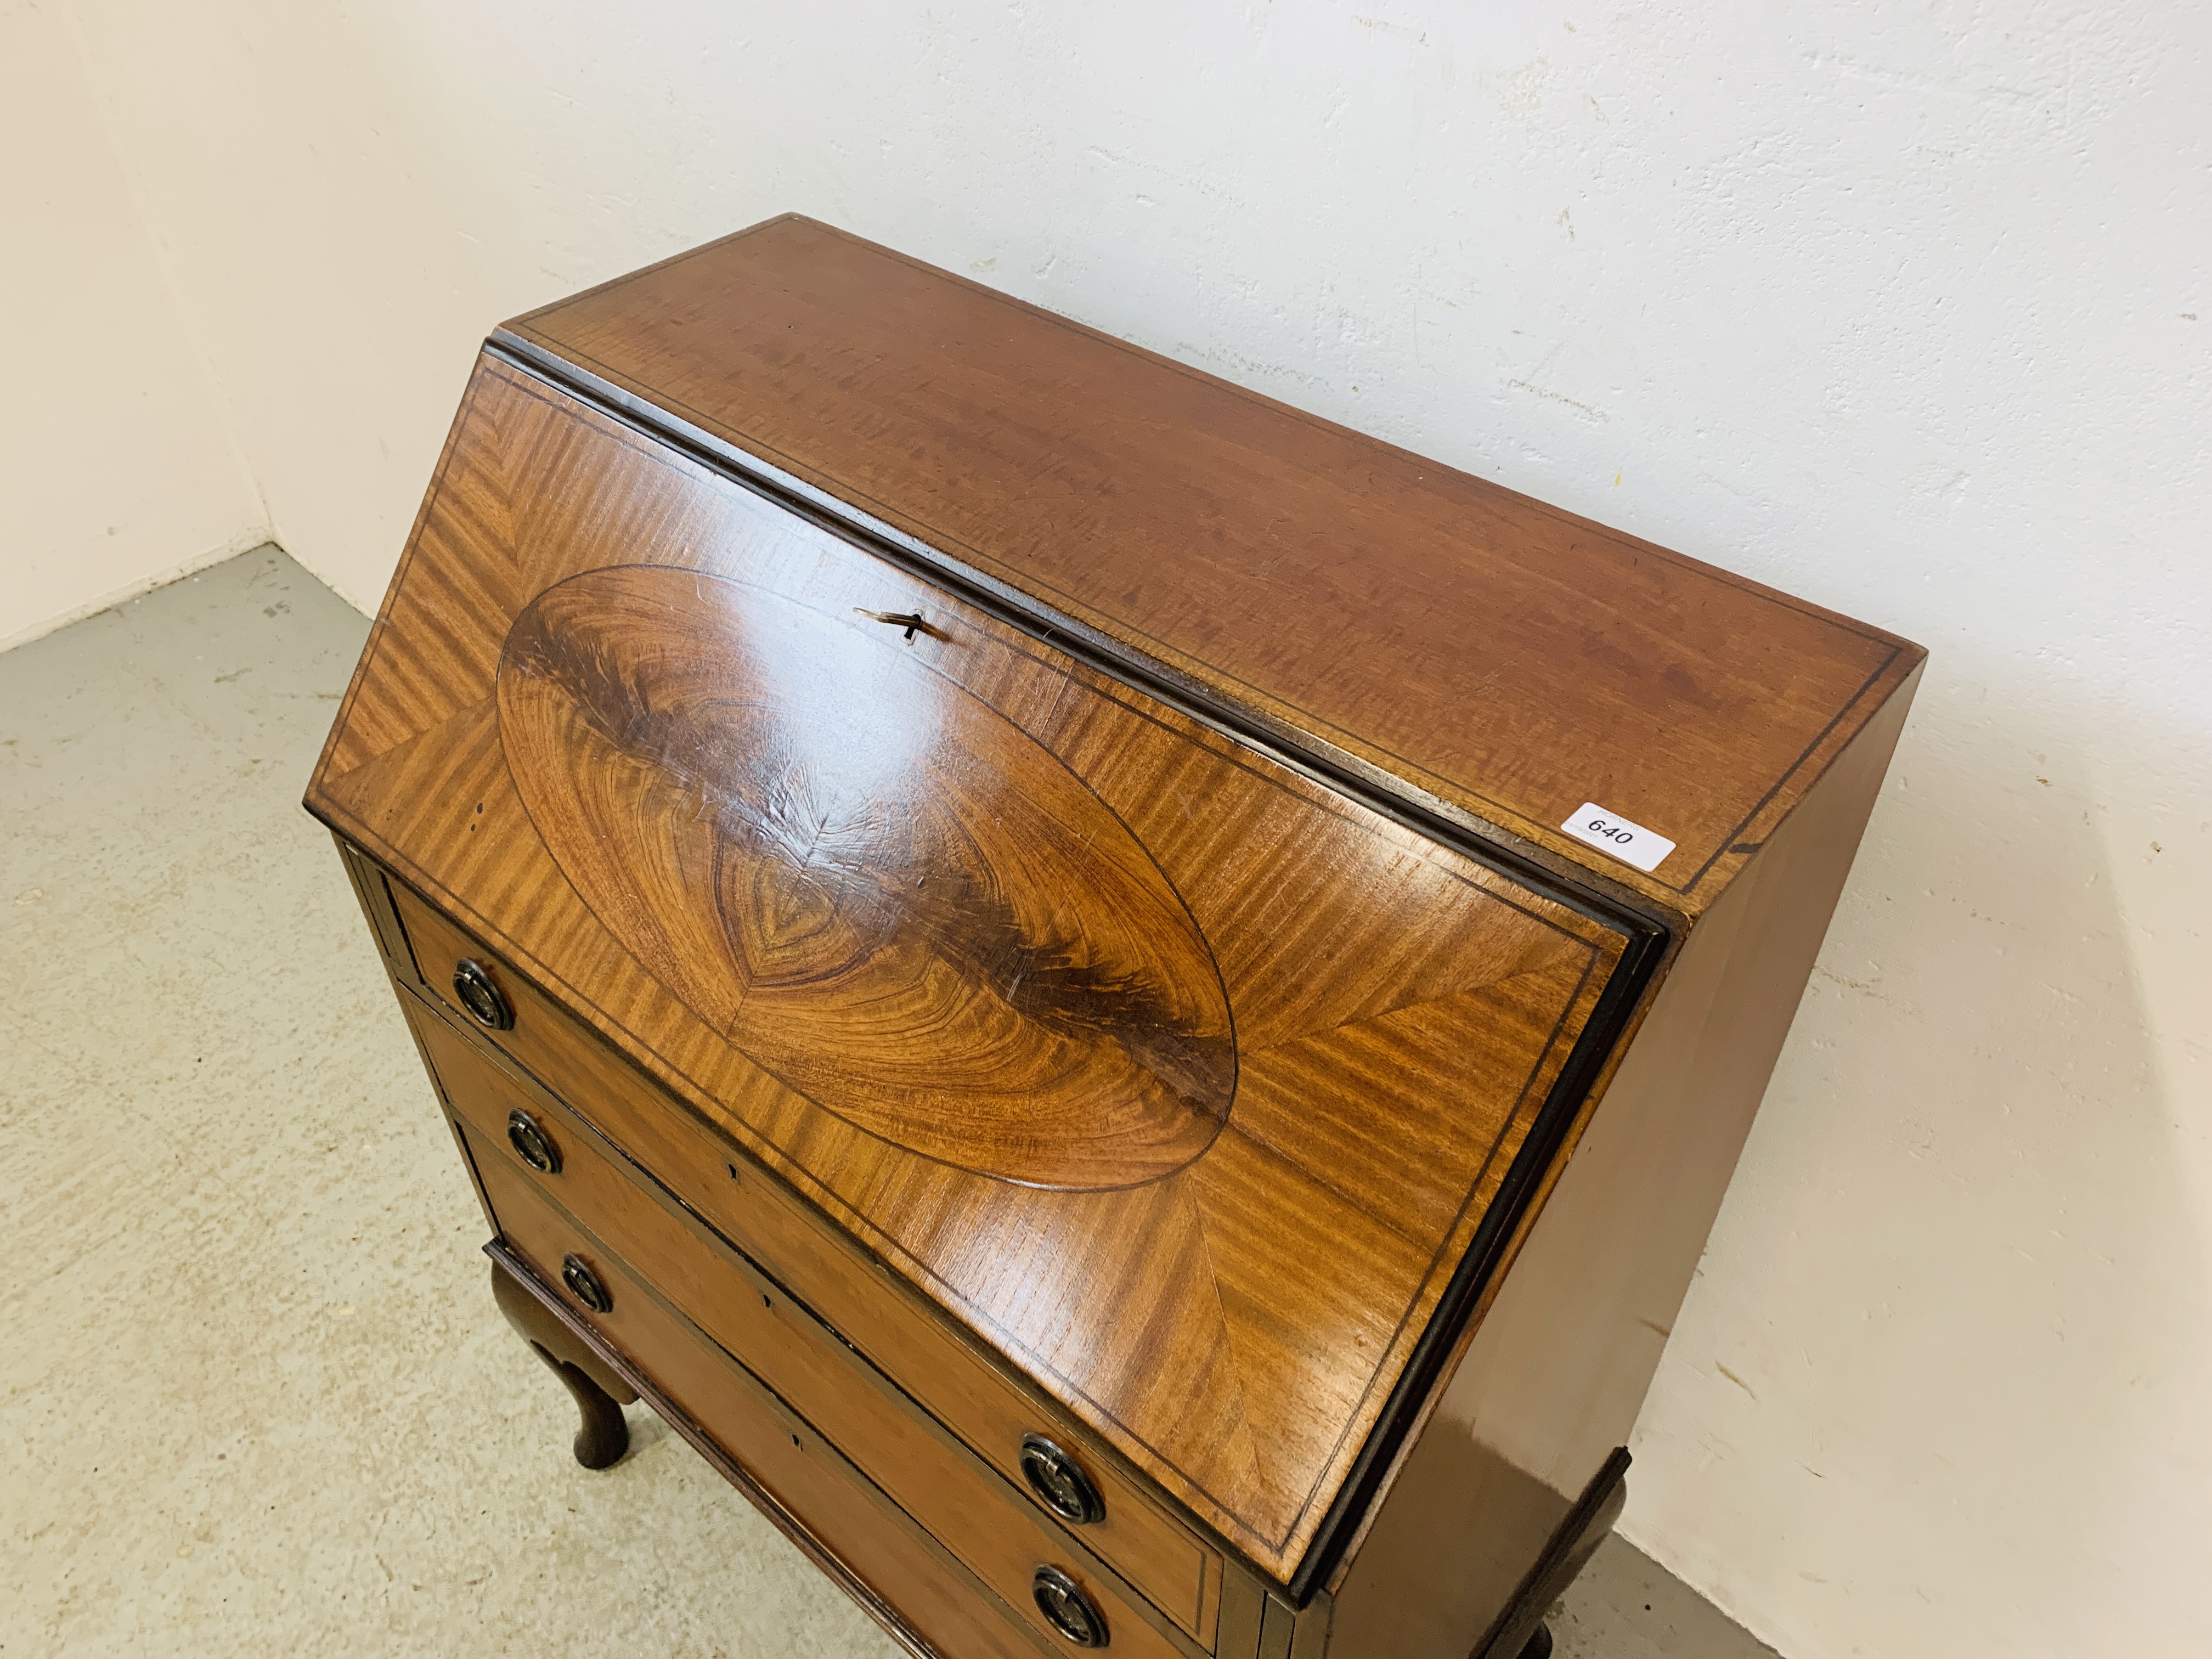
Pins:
x: 531, y: 1144
x: 1059, y: 1482
x: 576, y: 1273
x: 1072, y: 1613
x: 480, y: 994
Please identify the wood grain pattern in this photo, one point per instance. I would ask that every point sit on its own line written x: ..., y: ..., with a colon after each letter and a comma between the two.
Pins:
x: 1399, y: 1012
x: 1054, y: 862
x: 866, y: 878
x: 994, y: 1531
x: 1555, y: 1374
x: 795, y: 1246
x: 894, y: 1570
x: 1510, y: 658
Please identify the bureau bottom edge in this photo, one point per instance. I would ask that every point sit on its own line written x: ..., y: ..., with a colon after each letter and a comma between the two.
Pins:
x: 959, y: 1618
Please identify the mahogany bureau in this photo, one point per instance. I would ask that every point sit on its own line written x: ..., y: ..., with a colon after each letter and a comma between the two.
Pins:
x: 1129, y: 1008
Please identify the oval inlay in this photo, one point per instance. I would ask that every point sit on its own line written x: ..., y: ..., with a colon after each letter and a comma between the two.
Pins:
x: 870, y: 881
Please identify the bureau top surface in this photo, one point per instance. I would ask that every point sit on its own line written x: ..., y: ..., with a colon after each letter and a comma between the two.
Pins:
x: 1504, y: 658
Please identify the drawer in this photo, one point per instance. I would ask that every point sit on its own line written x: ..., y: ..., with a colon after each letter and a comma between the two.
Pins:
x: 993, y: 1530
x: 861, y: 1299
x: 781, y: 1451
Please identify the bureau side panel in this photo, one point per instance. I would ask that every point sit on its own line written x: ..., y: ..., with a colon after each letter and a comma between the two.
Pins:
x: 1554, y: 1379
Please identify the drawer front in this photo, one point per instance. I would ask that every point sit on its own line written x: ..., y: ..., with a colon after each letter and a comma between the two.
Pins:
x: 803, y: 1472
x: 994, y: 1531
x: 1157, y: 1555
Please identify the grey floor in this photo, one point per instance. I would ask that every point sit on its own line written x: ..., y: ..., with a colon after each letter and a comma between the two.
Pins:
x: 256, y: 1397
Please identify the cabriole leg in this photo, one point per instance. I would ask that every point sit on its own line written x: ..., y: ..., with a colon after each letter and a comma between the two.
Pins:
x: 598, y: 1393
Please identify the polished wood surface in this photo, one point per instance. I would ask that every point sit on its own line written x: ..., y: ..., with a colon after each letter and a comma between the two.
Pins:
x: 867, y: 878
x: 992, y: 1525
x: 1556, y: 1372
x: 797, y: 1248
x: 995, y: 1531
x: 799, y: 1479
x: 1513, y: 660
x: 1015, y: 887
x: 1227, y: 1294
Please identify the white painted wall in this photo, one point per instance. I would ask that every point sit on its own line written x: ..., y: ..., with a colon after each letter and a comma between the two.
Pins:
x: 1904, y: 307
x: 116, y: 472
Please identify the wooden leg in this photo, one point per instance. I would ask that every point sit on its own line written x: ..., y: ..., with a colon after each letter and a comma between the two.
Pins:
x: 598, y: 1393
x: 1521, y: 1633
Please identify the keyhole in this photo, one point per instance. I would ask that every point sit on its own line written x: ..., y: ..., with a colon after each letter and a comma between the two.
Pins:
x: 911, y: 621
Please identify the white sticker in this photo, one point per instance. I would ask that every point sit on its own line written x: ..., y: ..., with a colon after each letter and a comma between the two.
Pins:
x: 1610, y: 832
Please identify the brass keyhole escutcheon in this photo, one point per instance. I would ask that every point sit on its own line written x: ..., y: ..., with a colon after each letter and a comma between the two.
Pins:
x: 912, y: 621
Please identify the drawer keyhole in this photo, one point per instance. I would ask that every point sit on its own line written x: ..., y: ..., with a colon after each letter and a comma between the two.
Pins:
x: 531, y: 1144
x: 1072, y: 1613
x: 911, y: 621
x: 1060, y: 1481
x: 480, y: 994
x: 576, y: 1273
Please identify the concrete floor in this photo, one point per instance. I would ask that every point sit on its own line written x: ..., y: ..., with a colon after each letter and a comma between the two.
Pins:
x: 256, y: 1399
